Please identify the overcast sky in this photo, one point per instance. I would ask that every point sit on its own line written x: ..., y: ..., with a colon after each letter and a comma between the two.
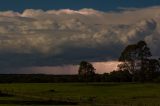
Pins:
x: 44, y: 36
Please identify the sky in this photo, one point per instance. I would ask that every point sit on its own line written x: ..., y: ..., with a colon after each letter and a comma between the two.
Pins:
x: 53, y: 37
x: 102, y: 5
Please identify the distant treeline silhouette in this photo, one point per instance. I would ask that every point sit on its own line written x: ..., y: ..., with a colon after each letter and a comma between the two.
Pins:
x: 42, y: 78
x: 37, y: 78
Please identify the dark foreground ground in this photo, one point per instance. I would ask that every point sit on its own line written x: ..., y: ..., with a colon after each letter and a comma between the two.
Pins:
x: 80, y: 94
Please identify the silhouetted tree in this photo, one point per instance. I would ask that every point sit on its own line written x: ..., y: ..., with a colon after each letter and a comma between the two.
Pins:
x: 86, y: 71
x: 153, y: 69
x: 128, y: 58
x: 135, y: 59
x: 143, y: 53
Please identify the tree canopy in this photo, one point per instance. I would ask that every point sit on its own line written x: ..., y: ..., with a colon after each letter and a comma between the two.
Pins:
x: 86, y: 71
x: 136, y: 59
x: 86, y: 68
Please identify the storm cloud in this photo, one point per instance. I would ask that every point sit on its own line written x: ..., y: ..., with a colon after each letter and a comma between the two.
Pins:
x: 60, y: 37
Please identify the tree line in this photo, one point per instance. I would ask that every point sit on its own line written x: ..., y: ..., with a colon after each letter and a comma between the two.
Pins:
x: 136, y: 65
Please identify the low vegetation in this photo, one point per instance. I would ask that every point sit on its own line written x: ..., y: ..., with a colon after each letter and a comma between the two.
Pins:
x: 81, y: 94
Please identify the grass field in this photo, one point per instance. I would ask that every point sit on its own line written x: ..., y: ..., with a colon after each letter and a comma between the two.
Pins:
x: 80, y: 94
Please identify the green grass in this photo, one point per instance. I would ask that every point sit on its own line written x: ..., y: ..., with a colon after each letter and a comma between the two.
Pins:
x: 109, y: 94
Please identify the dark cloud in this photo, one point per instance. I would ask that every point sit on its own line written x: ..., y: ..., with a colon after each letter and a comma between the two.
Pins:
x: 59, y: 37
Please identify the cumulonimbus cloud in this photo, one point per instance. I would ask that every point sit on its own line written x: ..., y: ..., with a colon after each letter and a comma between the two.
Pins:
x: 56, y: 37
